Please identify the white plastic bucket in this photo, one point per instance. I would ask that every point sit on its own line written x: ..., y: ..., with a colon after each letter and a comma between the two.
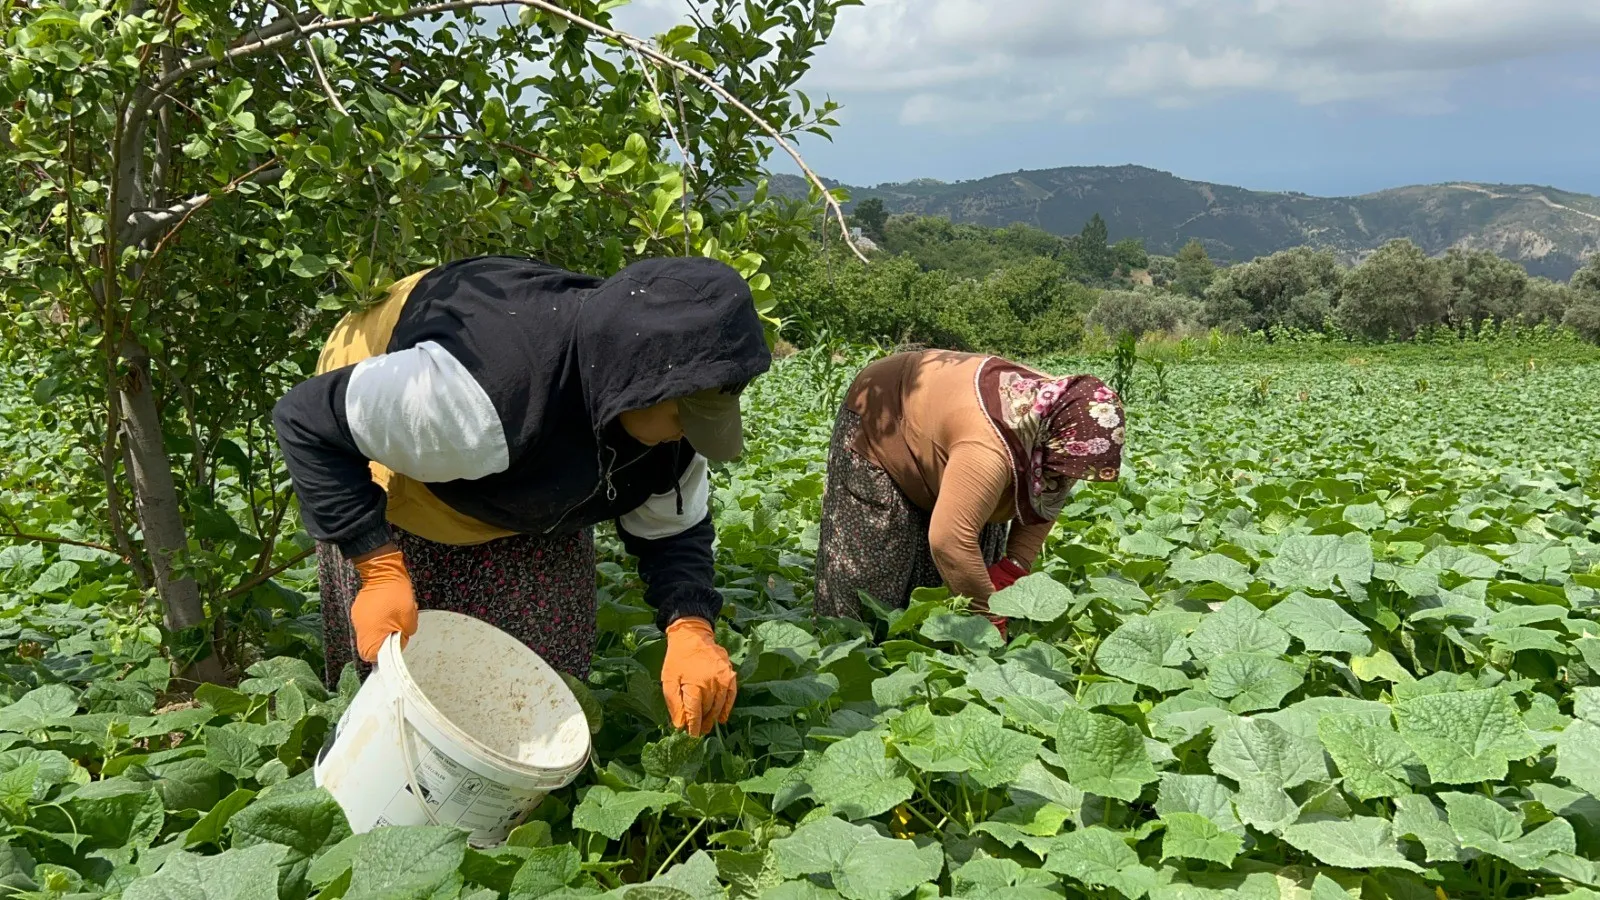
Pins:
x: 466, y: 726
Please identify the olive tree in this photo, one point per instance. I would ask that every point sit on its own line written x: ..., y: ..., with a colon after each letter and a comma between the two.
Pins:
x: 193, y: 191
x: 1295, y: 287
x: 1393, y: 293
x: 1484, y: 286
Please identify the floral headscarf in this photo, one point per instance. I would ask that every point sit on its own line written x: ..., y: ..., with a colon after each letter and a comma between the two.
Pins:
x: 1058, y: 430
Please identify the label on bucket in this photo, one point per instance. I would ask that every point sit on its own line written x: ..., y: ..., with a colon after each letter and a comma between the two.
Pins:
x: 458, y: 796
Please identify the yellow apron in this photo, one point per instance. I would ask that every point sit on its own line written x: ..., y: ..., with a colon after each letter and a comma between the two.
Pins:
x: 364, y: 334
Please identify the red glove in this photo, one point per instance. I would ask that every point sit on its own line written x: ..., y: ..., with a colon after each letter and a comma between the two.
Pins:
x: 1002, y: 575
x: 1005, y: 573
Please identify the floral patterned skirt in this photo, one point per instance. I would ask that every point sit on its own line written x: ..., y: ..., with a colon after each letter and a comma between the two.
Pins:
x: 873, y: 538
x: 538, y: 589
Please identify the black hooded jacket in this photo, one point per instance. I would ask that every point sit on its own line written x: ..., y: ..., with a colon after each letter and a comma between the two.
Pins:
x: 501, y: 387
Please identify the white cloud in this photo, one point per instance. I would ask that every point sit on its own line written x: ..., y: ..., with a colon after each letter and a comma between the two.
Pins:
x: 964, y: 63
x: 961, y: 64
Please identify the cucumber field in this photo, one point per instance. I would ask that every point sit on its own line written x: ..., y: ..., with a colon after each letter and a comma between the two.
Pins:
x: 1335, y: 634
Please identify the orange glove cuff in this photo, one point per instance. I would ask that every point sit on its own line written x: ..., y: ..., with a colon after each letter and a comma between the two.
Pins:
x: 385, y: 604
x: 697, y: 678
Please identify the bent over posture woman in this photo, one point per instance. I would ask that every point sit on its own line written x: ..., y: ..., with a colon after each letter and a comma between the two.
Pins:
x: 462, y: 437
x: 951, y: 468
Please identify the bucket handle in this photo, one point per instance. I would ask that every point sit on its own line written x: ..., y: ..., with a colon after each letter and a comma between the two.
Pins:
x: 403, y: 729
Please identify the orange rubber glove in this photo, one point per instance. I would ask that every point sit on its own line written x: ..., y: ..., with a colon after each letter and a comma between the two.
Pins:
x: 385, y: 604
x: 697, y: 678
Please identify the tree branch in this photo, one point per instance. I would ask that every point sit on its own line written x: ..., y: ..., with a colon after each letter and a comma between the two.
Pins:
x: 282, y: 25
x: 145, y: 223
x: 289, y: 35
x: 17, y: 534
x: 258, y: 580
x: 316, y: 63
x: 683, y: 152
x: 51, y: 539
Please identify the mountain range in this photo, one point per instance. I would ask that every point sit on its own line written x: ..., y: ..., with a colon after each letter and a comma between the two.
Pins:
x: 1549, y: 231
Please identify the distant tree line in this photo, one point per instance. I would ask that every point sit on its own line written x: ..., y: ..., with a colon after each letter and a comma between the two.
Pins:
x: 1021, y: 289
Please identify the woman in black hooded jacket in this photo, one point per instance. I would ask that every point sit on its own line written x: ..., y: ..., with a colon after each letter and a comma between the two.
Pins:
x: 461, y: 439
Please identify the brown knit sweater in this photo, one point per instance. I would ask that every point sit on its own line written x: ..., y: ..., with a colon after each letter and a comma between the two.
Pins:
x: 921, y: 422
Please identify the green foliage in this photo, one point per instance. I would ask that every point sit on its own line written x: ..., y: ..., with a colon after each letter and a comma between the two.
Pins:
x: 1484, y: 286
x: 1584, y: 318
x: 1031, y: 307
x: 1092, y: 250
x: 189, y: 207
x: 1143, y: 310
x: 870, y: 216
x: 1587, y: 279
x: 1295, y: 288
x: 1394, y: 293
x: 1358, y: 656
x: 1130, y: 254
x: 1193, y: 270
x: 970, y: 251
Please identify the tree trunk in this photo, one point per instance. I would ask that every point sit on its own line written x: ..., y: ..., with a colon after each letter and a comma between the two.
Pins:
x: 160, y: 517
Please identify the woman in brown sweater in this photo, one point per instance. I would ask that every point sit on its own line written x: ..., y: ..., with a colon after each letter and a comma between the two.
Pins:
x: 950, y: 468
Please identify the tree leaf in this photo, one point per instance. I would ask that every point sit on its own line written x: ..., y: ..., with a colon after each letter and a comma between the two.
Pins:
x: 1260, y: 752
x: 1364, y: 842
x: 1103, y: 754
x: 309, y: 265
x: 1036, y: 597
x: 863, y: 864
x: 246, y: 874
x: 39, y: 708
x: 1224, y: 570
x: 1312, y: 562
x: 608, y: 812
x: 1465, y: 736
x: 1145, y: 651
x: 1252, y: 681
x: 1320, y: 624
x: 1100, y: 858
x: 857, y: 778
x: 405, y: 863
x: 1238, y: 627
x: 1193, y: 836
x: 546, y: 869
x: 973, y: 741
x: 975, y: 633
x: 1372, y: 759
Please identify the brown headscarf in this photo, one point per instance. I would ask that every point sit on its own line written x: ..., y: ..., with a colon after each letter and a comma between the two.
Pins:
x: 1058, y: 430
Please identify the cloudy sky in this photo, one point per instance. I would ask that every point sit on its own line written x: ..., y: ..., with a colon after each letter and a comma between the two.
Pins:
x: 1323, y: 96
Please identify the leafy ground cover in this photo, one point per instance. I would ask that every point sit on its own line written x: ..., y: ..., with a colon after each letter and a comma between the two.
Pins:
x: 1334, y: 635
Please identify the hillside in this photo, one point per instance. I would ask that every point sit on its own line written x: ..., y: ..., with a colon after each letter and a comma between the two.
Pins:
x: 1547, y: 230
